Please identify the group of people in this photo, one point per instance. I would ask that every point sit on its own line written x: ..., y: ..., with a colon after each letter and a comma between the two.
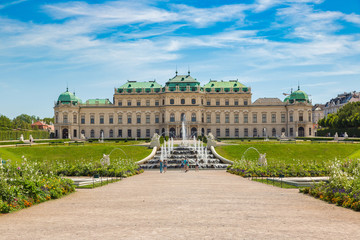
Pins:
x: 185, y: 165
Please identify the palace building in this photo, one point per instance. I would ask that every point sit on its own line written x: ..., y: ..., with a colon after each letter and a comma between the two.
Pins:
x: 224, y: 108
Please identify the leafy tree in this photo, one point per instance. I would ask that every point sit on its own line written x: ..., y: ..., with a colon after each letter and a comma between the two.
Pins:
x: 5, y: 122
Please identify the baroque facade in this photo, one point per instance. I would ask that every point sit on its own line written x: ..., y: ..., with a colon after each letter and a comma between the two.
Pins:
x: 224, y: 108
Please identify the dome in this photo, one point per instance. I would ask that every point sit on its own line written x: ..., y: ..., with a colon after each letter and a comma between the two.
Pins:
x: 298, y: 96
x: 68, y: 97
x: 287, y: 98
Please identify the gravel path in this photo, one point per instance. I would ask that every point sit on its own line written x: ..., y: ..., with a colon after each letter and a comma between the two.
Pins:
x: 177, y: 205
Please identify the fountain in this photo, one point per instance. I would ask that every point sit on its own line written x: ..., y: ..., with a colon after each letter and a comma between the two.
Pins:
x: 183, y: 129
x: 262, y: 157
x: 101, y: 140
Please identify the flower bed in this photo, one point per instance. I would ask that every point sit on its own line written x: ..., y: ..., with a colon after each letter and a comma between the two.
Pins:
x: 252, y: 169
x: 343, y: 188
x: 25, y: 185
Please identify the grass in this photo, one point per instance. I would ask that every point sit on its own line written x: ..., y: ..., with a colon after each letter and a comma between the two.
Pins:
x: 276, y: 184
x: 306, y: 153
x: 99, y: 184
x: 90, y: 152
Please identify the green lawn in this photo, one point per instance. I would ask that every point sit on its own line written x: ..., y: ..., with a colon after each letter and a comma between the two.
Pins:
x: 291, y: 153
x: 88, y: 152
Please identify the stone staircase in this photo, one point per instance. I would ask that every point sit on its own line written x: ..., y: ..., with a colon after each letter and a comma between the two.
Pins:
x: 179, y: 154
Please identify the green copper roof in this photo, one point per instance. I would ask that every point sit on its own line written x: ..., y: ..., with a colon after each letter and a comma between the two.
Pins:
x: 182, y: 81
x: 135, y: 84
x: 226, y: 85
x: 99, y: 101
x: 287, y: 98
x: 298, y: 96
x: 68, y: 97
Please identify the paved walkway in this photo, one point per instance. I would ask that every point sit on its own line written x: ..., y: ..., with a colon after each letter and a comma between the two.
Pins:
x: 177, y: 205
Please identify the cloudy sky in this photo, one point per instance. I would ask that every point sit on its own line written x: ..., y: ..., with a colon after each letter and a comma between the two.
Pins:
x: 94, y: 46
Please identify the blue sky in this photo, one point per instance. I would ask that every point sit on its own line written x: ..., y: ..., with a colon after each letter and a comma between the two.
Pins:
x: 94, y: 46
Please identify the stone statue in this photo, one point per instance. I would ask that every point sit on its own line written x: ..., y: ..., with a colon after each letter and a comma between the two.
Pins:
x: 82, y: 136
x: 105, y: 160
x: 262, y: 160
x: 22, y: 138
x: 283, y: 135
x: 155, y: 141
x: 31, y: 139
x: 336, y: 137
x: 346, y: 136
x: 210, y: 140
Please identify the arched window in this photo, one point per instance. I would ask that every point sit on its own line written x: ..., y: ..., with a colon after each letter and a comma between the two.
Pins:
x: 273, y: 132
x: 283, y: 130
x: 255, y: 132
x: 171, y: 101
x: 92, y: 133
x: 193, y: 101
x: 111, y: 133
x: 172, y: 117
x: 193, y: 117
x: 182, y: 101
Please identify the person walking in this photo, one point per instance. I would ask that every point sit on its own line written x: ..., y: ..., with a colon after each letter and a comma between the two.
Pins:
x: 196, y: 165
x: 182, y: 165
x: 185, y: 164
x: 165, y: 166
x: 161, y: 166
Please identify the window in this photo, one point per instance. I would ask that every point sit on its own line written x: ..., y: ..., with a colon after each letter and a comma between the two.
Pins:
x: 291, y: 117
x: 138, y: 133
x: 202, y: 118
x: 218, y: 118
x: 301, y: 117
x: 227, y: 102
x: 129, y: 133
x: 283, y: 130
x: 227, y: 118
x: 101, y: 119
x: 208, y: 131
x: 92, y: 120
x: 182, y: 101
x: 255, y: 132
x: 148, y: 119
x: 157, y: 118
x: 82, y: 119
x: 138, y: 119
x: 217, y: 102
x: 111, y: 133
x: 309, y: 115
x: 120, y: 103
x: 120, y: 133
x: 218, y: 132
x: 74, y: 119
x: 208, y: 118
x: 171, y: 101
x: 172, y: 117
x: 56, y: 118
x: 156, y: 102
x: 254, y: 118
x: 273, y: 118
x: 227, y: 132
x: 236, y: 118
x: 138, y: 103
x: 236, y: 102
x: 245, y: 102
x: 283, y: 118
x: 65, y: 118
x: 129, y: 102
x: 163, y: 102
x: 111, y: 119
x: 129, y: 119
x: 193, y: 101
x: 75, y: 133
x: 246, y: 132
x: 246, y: 118
x: 273, y: 132
x: 236, y: 132
x: 208, y: 102
x: 291, y: 132
x: 193, y: 117
x: 147, y: 102
x: 310, y: 131
x: 264, y: 118
x: 119, y: 119
x: 147, y: 132
x: 92, y: 133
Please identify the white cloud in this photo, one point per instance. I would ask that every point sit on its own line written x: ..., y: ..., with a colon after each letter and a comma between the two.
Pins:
x: 262, y: 5
x: 11, y: 3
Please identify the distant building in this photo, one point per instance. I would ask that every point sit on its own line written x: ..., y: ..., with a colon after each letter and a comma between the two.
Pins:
x: 42, y: 126
x: 317, y: 113
x: 335, y: 104
x: 224, y: 108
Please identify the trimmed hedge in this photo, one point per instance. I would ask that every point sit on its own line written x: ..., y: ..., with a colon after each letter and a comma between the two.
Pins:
x: 352, y: 132
x: 15, y: 134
